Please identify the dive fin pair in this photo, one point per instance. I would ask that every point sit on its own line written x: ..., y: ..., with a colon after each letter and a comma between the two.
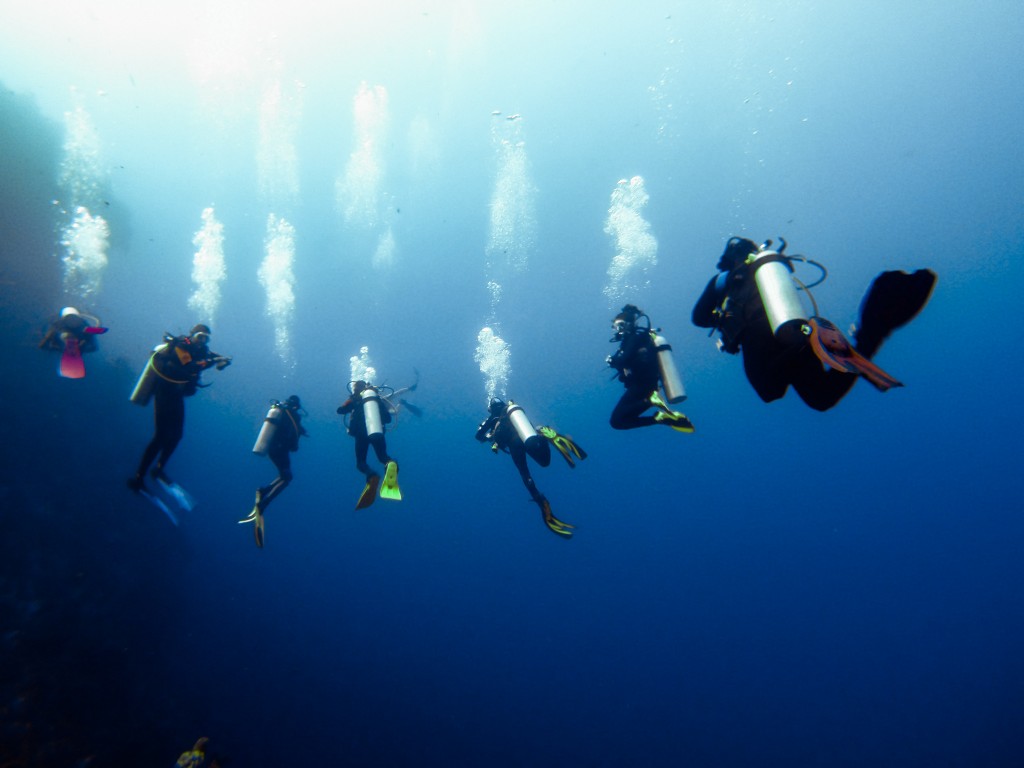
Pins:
x: 167, y: 494
x: 553, y: 523
x: 667, y: 416
x: 564, y: 445
x: 179, y: 495
x: 832, y: 348
x: 256, y: 518
x: 388, y: 487
x: 159, y: 503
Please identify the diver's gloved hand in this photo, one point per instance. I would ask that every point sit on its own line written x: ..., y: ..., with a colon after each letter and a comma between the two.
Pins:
x: 341, y: 409
x: 223, y: 362
x: 553, y: 523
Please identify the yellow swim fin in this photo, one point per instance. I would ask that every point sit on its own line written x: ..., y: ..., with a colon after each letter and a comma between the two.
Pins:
x: 564, y: 445
x: 553, y: 523
x: 257, y: 529
x: 369, y: 494
x: 389, y: 488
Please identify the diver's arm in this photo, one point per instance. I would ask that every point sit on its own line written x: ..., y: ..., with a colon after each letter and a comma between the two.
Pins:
x: 48, y: 338
x: 485, y: 431
x: 704, y: 310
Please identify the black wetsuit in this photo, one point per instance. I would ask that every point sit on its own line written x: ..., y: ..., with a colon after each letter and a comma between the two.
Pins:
x: 500, y: 431
x: 179, y: 365
x: 284, y: 442
x: 353, y: 407
x: 636, y: 361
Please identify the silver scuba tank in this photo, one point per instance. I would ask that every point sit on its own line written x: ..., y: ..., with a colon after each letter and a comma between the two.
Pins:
x: 675, y: 392
x: 268, y: 430
x: 520, y: 422
x: 144, y: 387
x: 536, y: 446
x: 371, y: 412
x: 786, y: 314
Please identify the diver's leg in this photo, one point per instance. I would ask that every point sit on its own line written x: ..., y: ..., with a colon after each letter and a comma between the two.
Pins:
x: 172, y: 430
x: 284, y: 477
x: 158, y: 441
x: 539, y: 449
x: 380, y: 448
x: 626, y: 414
x: 817, y: 386
x: 137, y: 482
x: 518, y: 455
x: 766, y: 362
x: 362, y: 448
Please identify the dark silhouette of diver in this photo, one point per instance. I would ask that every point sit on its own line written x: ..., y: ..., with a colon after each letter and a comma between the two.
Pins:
x: 72, y: 324
x: 753, y: 303
x: 171, y: 375
x: 368, y: 411
x: 500, y: 430
x: 278, y: 438
x: 636, y: 366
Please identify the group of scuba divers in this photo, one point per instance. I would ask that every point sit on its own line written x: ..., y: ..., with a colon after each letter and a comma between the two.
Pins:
x: 753, y: 303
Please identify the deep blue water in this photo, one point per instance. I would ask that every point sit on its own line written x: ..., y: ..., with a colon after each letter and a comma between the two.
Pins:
x: 783, y: 587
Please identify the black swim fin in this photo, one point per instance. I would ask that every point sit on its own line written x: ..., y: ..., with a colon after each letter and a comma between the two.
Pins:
x: 415, y: 410
x: 892, y: 301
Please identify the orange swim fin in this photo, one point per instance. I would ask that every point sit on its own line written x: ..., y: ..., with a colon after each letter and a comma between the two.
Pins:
x: 832, y: 348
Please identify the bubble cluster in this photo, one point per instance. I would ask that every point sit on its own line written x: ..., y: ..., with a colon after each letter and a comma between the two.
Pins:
x: 361, y: 368
x: 85, y: 243
x: 275, y: 274
x: 359, y: 190
x: 636, y: 248
x: 208, y: 267
x: 494, y: 355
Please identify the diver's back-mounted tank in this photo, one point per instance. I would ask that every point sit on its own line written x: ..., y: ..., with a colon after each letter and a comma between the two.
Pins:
x: 778, y: 292
x: 675, y: 392
x: 146, y: 384
x: 269, y: 429
x: 536, y: 446
x: 371, y: 405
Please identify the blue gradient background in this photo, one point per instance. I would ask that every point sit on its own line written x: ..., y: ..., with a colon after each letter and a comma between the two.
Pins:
x: 783, y: 587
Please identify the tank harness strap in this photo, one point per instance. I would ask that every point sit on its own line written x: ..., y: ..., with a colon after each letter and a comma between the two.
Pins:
x: 292, y: 420
x: 162, y: 376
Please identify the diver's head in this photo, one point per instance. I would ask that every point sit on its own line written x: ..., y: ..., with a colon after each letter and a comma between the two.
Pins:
x: 736, y: 252
x: 358, y: 386
x: 497, y: 407
x: 293, y: 402
x: 200, y: 334
x: 67, y: 311
x: 624, y: 323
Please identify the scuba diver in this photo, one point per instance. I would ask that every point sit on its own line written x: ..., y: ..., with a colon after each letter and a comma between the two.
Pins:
x: 171, y: 374
x: 642, y: 362
x: 508, y: 429
x: 754, y: 304
x: 368, y: 410
x: 73, y: 334
x: 278, y: 438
